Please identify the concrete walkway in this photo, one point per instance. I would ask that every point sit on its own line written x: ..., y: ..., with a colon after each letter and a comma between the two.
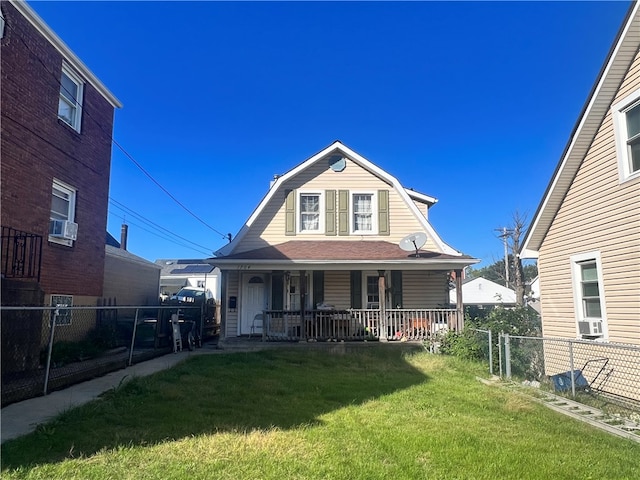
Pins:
x: 23, y: 417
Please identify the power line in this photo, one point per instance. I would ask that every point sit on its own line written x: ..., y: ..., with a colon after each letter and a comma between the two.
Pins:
x: 164, y: 237
x: 126, y: 209
x: 113, y: 140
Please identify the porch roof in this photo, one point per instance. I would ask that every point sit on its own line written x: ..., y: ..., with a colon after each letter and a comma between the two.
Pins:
x: 341, y: 255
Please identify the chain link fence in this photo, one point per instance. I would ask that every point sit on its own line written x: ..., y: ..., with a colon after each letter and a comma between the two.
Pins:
x: 49, y: 348
x: 609, y: 371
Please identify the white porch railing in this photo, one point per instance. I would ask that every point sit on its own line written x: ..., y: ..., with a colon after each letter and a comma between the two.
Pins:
x: 359, y: 324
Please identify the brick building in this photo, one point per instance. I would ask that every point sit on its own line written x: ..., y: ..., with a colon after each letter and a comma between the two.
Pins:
x: 57, y: 124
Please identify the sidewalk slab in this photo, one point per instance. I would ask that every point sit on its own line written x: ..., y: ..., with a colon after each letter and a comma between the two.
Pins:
x: 23, y: 417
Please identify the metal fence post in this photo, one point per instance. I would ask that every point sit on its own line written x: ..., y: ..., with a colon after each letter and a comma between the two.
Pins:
x: 53, y: 321
x: 490, y: 353
x: 573, y: 380
x: 507, y: 356
x: 500, y: 351
x: 133, y: 337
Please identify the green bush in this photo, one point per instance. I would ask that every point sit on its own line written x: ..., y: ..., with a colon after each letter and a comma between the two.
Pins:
x: 526, y: 355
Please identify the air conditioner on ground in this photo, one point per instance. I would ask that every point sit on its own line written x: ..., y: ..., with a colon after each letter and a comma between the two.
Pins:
x: 590, y: 327
x: 63, y: 229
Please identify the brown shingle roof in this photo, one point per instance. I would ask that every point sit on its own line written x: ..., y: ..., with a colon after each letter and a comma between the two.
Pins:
x: 335, y: 250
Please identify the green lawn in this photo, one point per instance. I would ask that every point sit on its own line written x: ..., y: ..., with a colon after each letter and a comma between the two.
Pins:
x: 378, y: 412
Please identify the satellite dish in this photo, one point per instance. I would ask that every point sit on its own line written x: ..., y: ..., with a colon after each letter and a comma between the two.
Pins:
x: 413, y: 242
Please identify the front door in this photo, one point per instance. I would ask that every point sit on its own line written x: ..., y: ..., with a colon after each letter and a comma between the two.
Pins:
x: 253, y: 303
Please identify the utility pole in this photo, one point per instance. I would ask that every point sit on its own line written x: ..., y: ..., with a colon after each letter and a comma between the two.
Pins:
x: 506, y: 233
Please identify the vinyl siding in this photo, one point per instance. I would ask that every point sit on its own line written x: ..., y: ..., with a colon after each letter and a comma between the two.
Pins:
x: 337, y: 289
x: 269, y: 227
x: 232, y: 315
x: 425, y: 290
x: 597, y: 214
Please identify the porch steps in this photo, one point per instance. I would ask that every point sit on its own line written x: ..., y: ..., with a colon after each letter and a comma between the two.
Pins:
x: 611, y: 423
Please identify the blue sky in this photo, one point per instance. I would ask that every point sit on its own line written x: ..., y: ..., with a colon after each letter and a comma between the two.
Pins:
x: 470, y: 102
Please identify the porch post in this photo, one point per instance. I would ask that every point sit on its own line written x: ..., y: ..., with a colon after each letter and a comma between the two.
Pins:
x: 459, y: 304
x: 223, y: 306
x: 303, y: 302
x: 382, y: 299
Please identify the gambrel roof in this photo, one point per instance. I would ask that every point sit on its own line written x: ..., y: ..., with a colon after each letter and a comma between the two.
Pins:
x: 594, y: 111
x: 337, y: 147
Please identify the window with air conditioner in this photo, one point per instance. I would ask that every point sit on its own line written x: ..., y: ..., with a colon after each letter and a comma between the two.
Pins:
x: 626, y: 123
x: 70, y: 101
x: 62, y: 228
x: 588, y: 294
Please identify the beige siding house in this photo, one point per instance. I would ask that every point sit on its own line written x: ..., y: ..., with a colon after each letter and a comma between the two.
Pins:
x: 586, y: 231
x: 338, y: 249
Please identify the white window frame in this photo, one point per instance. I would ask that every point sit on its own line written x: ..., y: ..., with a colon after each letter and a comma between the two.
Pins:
x: 321, y: 212
x: 576, y: 276
x: 65, y: 316
x: 69, y: 190
x: 76, y: 106
x: 374, y: 213
x: 620, y: 130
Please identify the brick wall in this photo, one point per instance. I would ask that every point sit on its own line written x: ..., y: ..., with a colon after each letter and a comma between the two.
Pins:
x: 37, y: 147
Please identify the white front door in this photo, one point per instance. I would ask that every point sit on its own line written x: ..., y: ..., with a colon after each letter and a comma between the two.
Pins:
x: 253, y: 302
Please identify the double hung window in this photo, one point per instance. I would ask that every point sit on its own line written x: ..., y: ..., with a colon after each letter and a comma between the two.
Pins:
x: 588, y: 295
x: 309, y: 212
x: 626, y: 122
x: 363, y: 208
x: 70, y: 102
x: 63, y: 205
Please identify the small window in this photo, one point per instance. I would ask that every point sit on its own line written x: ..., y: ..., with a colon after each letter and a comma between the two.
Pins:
x: 588, y: 295
x: 310, y: 218
x: 64, y: 315
x: 70, y: 102
x: 373, y: 292
x: 62, y: 228
x: 626, y: 116
x: 363, y: 208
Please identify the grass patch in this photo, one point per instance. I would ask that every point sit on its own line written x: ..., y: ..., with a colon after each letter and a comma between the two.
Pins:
x: 377, y: 412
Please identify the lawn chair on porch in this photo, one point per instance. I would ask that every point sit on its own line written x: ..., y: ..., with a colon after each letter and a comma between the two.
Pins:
x: 257, y: 324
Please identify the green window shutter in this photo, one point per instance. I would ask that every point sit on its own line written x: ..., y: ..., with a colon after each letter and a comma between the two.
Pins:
x: 318, y: 288
x: 330, y: 212
x: 383, y: 212
x: 277, y: 291
x: 396, y: 289
x: 343, y: 212
x: 290, y: 212
x: 356, y: 289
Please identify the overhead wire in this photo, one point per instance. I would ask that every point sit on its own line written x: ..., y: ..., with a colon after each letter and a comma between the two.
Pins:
x: 159, y: 235
x: 113, y: 140
x: 154, y: 225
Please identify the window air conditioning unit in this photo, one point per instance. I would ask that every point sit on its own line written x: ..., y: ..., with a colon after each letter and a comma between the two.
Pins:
x: 63, y: 229
x: 590, y: 328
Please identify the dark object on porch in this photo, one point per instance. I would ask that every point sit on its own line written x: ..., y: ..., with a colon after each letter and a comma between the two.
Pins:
x: 594, y: 369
